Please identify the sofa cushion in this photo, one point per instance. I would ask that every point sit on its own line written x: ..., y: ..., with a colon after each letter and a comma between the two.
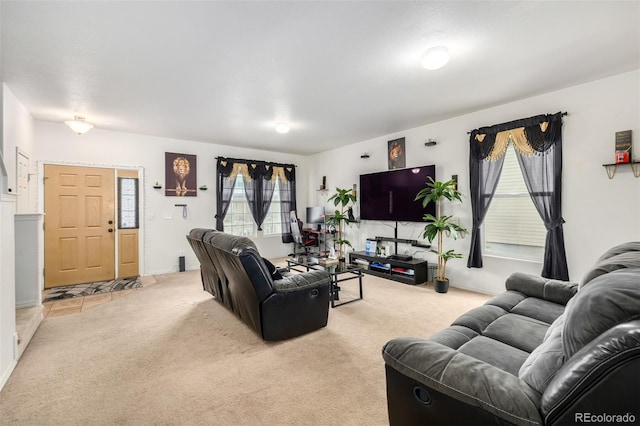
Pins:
x: 496, y: 353
x: 454, y: 336
x: 518, y: 331
x: 613, y: 261
x: 479, y: 318
x: 545, y: 360
x: 540, y: 309
x: 507, y: 300
x: 608, y: 300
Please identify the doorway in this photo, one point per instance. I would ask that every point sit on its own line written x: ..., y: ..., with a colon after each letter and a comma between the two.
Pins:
x: 79, y: 238
x: 80, y: 229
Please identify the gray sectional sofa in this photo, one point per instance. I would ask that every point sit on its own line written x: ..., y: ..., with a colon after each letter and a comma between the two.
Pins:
x: 544, y: 352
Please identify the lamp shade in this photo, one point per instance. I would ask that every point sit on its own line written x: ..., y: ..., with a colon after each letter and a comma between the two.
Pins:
x: 79, y: 125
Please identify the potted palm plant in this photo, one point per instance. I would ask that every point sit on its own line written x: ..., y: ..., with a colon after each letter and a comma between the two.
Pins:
x: 341, y: 200
x: 441, y: 225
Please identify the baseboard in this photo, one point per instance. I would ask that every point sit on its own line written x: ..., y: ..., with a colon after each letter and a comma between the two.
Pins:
x: 474, y: 289
x: 7, y: 373
x: 27, y: 304
x: 170, y: 271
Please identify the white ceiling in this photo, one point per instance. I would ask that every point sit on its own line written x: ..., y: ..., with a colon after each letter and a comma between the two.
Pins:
x: 338, y: 72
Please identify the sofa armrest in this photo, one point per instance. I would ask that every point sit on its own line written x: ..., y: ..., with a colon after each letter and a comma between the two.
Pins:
x: 601, y: 377
x: 464, y: 378
x: 543, y: 288
x: 310, y: 279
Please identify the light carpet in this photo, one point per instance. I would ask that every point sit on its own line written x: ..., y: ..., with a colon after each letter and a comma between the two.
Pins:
x: 168, y: 354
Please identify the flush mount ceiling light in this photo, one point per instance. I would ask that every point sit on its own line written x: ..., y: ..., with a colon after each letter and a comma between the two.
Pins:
x: 79, y: 125
x: 282, y: 128
x: 435, y: 58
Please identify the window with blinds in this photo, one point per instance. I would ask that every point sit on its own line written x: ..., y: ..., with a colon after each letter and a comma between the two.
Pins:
x: 512, y: 226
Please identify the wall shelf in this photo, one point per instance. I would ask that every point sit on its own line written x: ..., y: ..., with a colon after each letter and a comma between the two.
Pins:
x: 611, y: 168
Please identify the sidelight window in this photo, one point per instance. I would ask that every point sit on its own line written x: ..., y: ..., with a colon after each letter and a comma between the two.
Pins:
x: 128, y: 206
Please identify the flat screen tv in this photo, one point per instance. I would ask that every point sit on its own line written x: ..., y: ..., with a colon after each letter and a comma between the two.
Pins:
x: 390, y: 195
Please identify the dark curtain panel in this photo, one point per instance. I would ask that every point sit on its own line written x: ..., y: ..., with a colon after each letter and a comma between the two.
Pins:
x: 542, y: 171
x: 224, y: 190
x: 483, y: 176
x: 287, y: 201
x: 543, y: 177
x: 258, y: 189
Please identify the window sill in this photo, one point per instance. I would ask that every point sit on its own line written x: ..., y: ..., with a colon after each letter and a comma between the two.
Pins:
x: 512, y: 259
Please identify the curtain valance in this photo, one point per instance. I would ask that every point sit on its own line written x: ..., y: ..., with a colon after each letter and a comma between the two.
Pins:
x: 529, y: 136
x: 252, y: 169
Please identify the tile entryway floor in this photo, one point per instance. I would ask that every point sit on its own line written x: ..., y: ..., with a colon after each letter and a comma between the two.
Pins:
x: 58, y: 308
x: 76, y: 305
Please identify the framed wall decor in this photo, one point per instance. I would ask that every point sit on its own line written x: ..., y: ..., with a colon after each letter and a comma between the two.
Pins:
x: 396, y: 154
x: 180, y: 175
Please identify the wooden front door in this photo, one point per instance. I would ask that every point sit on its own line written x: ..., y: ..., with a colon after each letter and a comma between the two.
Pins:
x: 79, y: 228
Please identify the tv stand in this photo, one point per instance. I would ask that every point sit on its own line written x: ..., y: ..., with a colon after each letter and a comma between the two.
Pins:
x: 400, y: 257
x: 412, y: 271
x: 396, y: 240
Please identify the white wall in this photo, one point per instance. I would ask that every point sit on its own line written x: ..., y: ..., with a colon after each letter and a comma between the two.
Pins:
x: 18, y: 134
x: 17, y: 131
x: 599, y: 212
x: 163, y: 239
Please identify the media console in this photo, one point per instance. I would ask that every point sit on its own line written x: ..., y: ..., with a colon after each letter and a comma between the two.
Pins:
x: 412, y: 271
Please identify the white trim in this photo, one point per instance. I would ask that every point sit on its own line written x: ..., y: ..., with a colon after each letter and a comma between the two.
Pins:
x: 7, y: 373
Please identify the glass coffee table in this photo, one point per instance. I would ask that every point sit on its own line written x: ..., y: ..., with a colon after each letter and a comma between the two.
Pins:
x: 339, y: 272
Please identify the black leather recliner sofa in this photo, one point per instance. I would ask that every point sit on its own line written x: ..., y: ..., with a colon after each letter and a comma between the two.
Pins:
x: 237, y: 276
x: 545, y: 352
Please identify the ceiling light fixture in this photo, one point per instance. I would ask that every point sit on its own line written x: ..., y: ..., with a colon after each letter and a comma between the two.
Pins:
x: 282, y: 128
x: 435, y: 58
x: 79, y: 125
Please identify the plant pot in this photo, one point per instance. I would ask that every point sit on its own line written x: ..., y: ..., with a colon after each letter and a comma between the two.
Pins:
x: 441, y: 286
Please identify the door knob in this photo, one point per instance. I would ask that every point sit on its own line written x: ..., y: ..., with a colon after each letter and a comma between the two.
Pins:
x: 110, y: 222
x: 110, y: 229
